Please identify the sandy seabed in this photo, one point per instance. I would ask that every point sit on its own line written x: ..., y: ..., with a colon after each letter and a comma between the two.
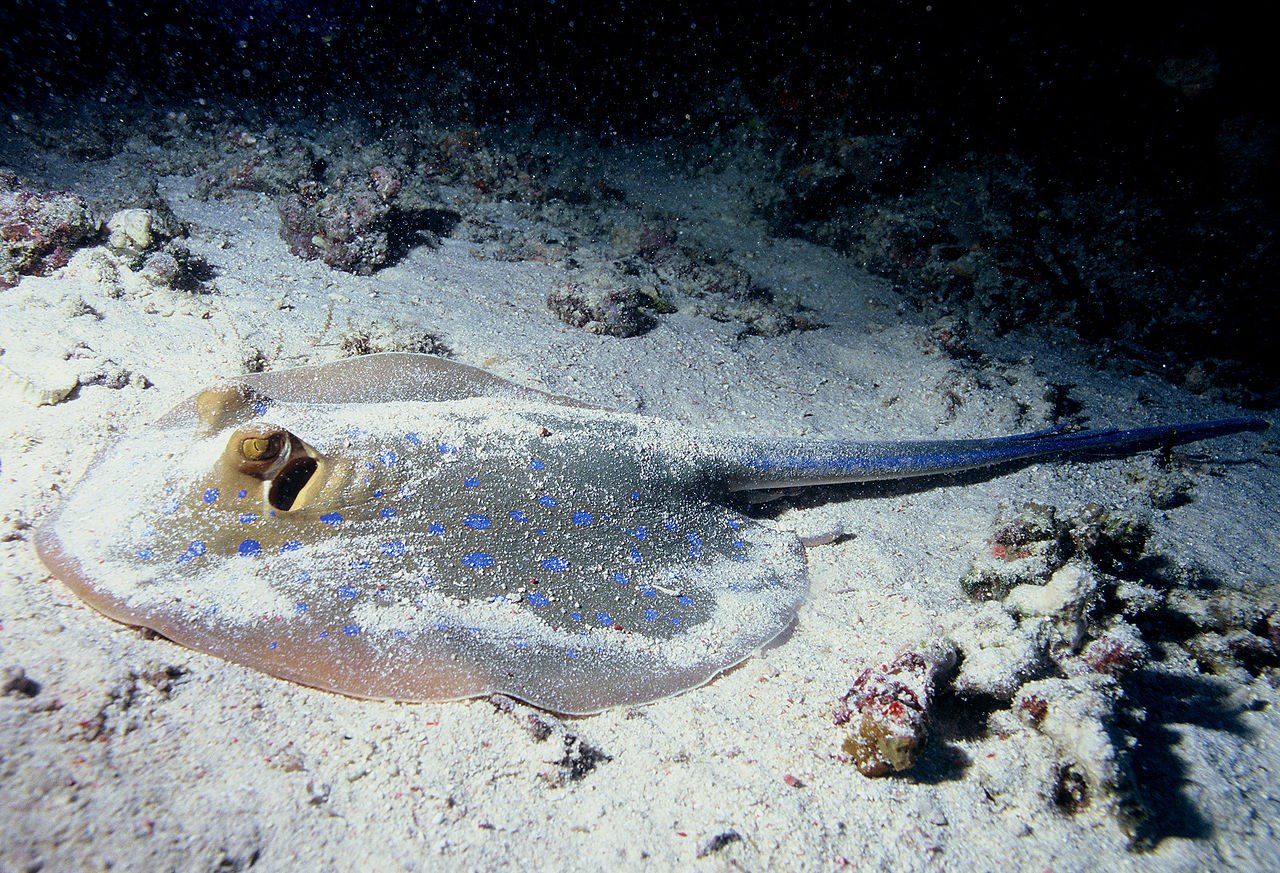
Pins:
x: 121, y: 750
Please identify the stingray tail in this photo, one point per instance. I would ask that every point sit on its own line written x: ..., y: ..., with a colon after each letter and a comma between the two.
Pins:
x: 784, y: 463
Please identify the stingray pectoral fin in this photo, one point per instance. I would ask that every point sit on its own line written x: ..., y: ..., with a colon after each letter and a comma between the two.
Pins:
x: 63, y: 565
x: 389, y: 377
x: 793, y: 462
x: 357, y: 667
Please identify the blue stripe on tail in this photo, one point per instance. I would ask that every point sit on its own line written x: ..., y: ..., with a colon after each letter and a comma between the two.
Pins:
x: 800, y: 462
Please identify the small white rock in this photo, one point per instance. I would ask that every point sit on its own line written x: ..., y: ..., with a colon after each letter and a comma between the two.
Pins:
x: 42, y: 383
x: 130, y: 229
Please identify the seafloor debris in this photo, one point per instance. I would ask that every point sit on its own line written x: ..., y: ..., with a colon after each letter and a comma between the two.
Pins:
x: 1074, y: 606
x: 1062, y: 587
x: 391, y: 336
x: 15, y: 681
x: 347, y: 226
x: 1032, y: 542
x: 887, y: 709
x: 1025, y: 547
x: 144, y: 242
x: 1078, y: 719
x: 39, y: 232
x: 715, y: 842
x: 613, y: 311
x: 36, y: 378
x: 999, y: 652
x: 580, y: 756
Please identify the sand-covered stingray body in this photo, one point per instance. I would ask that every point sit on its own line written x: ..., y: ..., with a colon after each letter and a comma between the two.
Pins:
x: 481, y: 538
x: 404, y: 527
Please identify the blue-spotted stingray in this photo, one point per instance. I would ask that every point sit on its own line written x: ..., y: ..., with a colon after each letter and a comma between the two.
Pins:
x: 404, y: 527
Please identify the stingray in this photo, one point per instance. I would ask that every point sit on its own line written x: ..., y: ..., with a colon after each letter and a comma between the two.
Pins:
x: 405, y: 527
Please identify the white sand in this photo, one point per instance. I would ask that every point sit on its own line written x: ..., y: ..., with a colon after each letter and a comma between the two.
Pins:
x: 138, y: 754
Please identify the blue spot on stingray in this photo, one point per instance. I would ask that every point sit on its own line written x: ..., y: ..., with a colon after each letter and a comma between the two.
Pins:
x: 635, y: 495
x: 394, y: 549
x: 332, y: 518
x: 535, y: 464
x: 471, y: 481
x: 570, y: 653
x: 242, y: 494
x: 635, y: 555
x: 547, y: 500
x: 576, y: 616
x: 542, y: 531
x: 412, y: 439
x: 478, y: 560
x: 537, y: 598
x: 476, y: 521
x: 387, y: 458
x: 322, y: 634
x: 604, y: 618
x: 582, y: 517
x: 675, y: 621
x: 620, y: 577
x: 170, y: 506
x: 302, y: 578
x: 272, y: 645
x: 739, y: 544
x: 648, y: 592
x: 377, y: 493
x: 146, y: 553
x: 248, y: 518
x: 346, y: 592
x: 695, y: 553
x: 351, y: 630
x: 651, y: 615
x: 250, y: 548
x: 359, y: 564
x: 291, y: 546
x: 260, y: 407
x: 694, y: 540
x: 387, y: 512
x: 555, y: 565
x: 684, y: 600
x: 641, y: 533
x: 519, y: 516
x: 210, y: 495
x: 299, y: 608
x: 399, y: 634
x: 435, y: 529
x: 671, y: 524
x: 739, y: 557
x: 195, y: 550
x: 732, y: 523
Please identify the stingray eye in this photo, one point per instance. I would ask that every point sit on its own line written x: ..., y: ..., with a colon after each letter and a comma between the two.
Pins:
x: 262, y: 448
x: 279, y: 458
x: 259, y: 451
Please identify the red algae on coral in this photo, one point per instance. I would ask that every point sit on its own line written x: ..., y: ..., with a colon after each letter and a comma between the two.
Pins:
x: 888, y: 709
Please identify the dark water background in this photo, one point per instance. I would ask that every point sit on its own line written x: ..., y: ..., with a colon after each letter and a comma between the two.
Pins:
x: 1116, y: 173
